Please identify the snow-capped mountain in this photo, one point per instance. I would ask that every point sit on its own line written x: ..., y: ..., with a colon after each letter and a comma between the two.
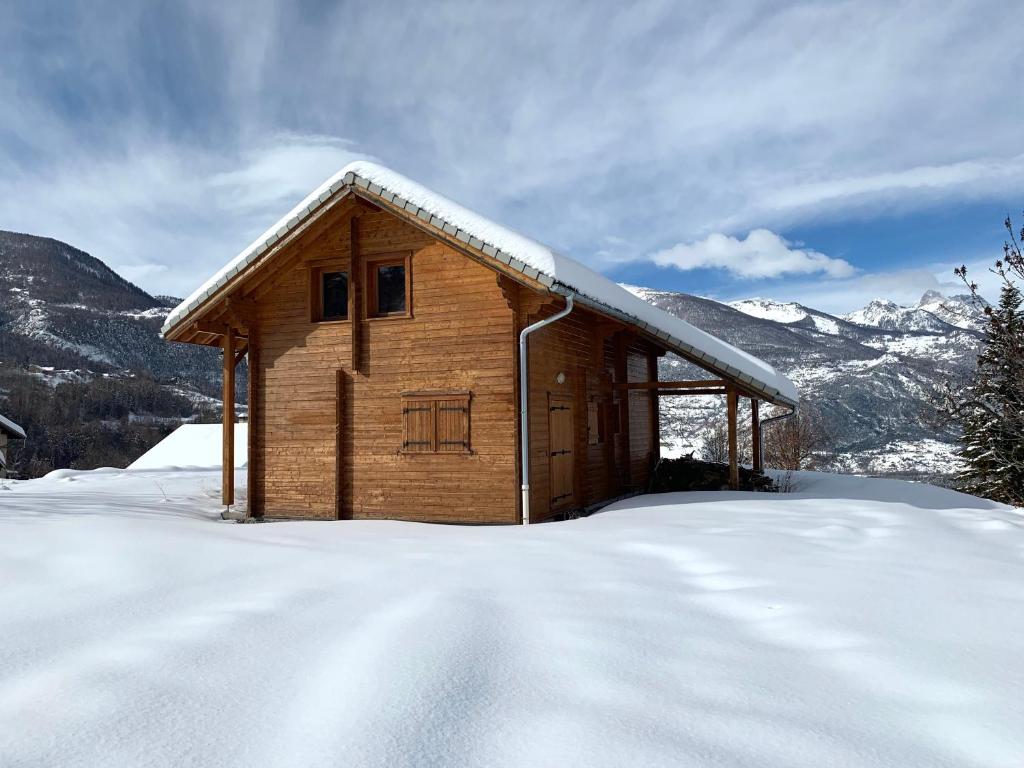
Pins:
x: 962, y: 310
x: 933, y: 313
x: 82, y: 364
x: 870, y: 373
x: 62, y: 308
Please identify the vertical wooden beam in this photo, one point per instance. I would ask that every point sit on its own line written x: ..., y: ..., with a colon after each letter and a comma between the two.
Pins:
x: 252, y: 447
x: 580, y: 438
x: 339, y: 446
x: 355, y: 288
x: 755, y: 434
x: 732, y: 399
x: 622, y: 377
x: 652, y: 375
x: 228, y: 454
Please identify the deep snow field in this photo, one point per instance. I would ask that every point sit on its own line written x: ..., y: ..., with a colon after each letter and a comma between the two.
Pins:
x: 851, y: 623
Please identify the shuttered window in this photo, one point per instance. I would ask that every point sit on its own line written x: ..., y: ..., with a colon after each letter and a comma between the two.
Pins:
x: 435, y: 422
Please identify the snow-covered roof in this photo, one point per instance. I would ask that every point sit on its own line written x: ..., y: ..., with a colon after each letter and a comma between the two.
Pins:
x: 535, y: 260
x: 12, y: 429
x: 193, y: 445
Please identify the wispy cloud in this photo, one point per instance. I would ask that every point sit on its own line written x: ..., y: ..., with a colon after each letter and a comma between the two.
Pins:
x: 761, y: 253
x: 163, y: 216
x: 170, y: 134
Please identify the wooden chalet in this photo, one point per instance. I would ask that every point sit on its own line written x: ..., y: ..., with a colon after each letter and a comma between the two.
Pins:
x: 403, y: 350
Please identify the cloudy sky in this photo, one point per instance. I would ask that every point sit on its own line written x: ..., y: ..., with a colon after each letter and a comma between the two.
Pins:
x: 822, y: 152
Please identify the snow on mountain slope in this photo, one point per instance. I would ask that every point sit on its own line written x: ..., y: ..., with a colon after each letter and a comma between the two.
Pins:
x: 890, y: 316
x: 963, y: 311
x: 860, y: 623
x: 62, y: 307
x: 780, y: 312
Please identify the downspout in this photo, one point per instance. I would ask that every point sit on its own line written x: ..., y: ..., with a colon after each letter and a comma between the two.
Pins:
x: 524, y: 402
x: 760, y: 431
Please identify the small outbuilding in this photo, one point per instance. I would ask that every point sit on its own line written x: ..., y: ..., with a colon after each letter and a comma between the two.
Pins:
x: 411, y: 359
x: 194, y: 446
x: 8, y: 431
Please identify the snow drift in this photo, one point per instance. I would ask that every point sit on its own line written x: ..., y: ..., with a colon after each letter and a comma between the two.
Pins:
x: 852, y: 623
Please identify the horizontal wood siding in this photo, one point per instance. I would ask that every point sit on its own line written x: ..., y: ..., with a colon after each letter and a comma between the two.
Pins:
x: 458, y: 339
x: 578, y: 347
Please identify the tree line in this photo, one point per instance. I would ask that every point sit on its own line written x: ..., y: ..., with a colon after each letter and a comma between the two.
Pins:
x: 102, y: 422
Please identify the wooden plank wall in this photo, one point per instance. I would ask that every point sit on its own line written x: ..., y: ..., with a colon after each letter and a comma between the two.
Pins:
x: 568, y: 347
x: 458, y: 339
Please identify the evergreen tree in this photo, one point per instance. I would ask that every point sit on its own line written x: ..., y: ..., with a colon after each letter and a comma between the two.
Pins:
x: 991, y: 410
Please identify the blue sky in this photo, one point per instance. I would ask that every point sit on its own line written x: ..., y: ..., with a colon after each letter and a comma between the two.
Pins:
x: 820, y: 152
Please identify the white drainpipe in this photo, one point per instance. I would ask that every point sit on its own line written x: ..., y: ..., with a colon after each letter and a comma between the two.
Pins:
x: 524, y: 402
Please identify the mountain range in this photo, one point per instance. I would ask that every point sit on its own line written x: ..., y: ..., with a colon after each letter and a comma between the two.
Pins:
x: 82, y: 366
x: 871, y: 374
x: 66, y: 318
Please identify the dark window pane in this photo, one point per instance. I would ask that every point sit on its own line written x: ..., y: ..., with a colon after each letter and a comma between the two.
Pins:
x: 335, y: 295
x: 390, y: 289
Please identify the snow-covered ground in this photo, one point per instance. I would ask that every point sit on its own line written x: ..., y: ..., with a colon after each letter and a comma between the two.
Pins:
x: 852, y: 623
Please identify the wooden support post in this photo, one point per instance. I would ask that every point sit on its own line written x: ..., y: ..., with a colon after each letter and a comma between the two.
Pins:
x: 339, y: 446
x: 580, y: 438
x: 355, y: 287
x: 653, y: 404
x: 228, y: 457
x: 254, y: 508
x: 732, y: 399
x: 622, y: 377
x: 755, y: 434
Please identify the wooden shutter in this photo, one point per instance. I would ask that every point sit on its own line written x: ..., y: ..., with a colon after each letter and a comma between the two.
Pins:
x: 418, y: 426
x: 452, y: 425
x: 435, y: 422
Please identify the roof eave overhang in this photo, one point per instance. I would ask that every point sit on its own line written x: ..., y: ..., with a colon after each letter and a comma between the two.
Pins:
x: 699, y: 357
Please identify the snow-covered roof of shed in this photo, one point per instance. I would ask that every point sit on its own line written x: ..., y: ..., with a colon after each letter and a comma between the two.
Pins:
x: 536, y: 260
x: 12, y: 429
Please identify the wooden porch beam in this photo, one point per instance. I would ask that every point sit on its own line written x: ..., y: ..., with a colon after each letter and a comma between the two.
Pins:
x: 228, y: 454
x: 755, y: 434
x: 700, y: 384
x: 732, y: 400
x: 254, y: 504
x: 215, y: 329
x: 679, y: 392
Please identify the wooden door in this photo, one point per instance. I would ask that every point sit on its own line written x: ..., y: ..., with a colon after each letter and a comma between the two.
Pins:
x: 560, y: 441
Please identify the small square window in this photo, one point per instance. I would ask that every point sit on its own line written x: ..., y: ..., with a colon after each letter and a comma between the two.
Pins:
x: 334, y: 295
x: 388, y: 286
x: 390, y: 289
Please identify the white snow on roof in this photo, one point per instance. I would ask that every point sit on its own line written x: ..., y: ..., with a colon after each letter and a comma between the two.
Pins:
x: 11, y: 428
x: 533, y: 256
x: 194, y: 445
